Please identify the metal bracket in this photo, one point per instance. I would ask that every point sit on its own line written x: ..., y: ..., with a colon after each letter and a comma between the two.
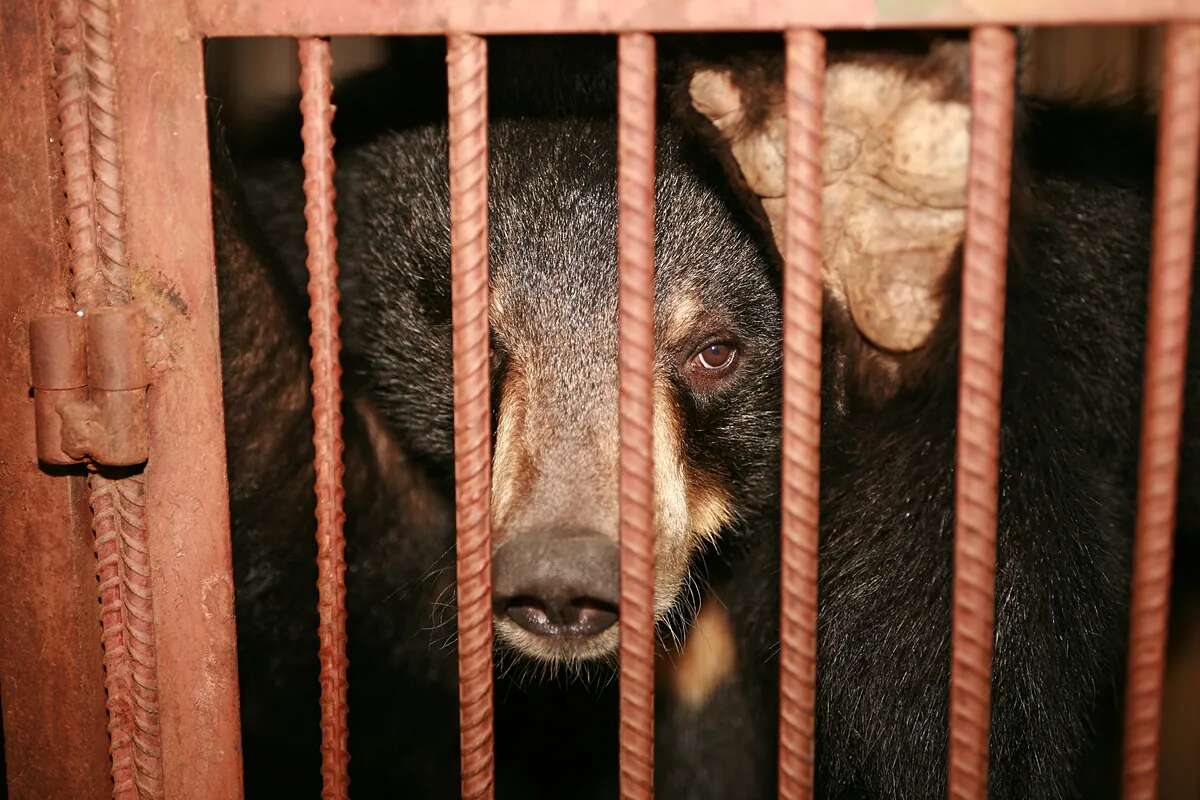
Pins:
x: 89, y: 387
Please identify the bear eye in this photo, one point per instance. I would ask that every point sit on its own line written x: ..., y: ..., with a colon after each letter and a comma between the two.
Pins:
x: 716, y: 356
x: 711, y: 363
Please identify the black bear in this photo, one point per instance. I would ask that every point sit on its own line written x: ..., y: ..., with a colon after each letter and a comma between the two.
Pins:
x: 895, y: 176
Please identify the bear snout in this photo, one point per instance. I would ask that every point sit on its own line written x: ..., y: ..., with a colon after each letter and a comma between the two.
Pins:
x: 557, y: 585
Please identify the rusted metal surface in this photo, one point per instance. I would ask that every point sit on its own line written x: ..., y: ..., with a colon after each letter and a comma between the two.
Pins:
x: 317, y: 132
x: 1171, y: 268
x: 635, y: 253
x: 117, y: 383
x: 107, y: 501
x: 89, y: 381
x: 993, y: 67
x: 127, y: 633
x: 116, y: 360
x: 51, y: 678
x: 88, y: 108
x: 71, y: 83
x: 466, y: 63
x: 58, y: 352
x: 106, y: 280
x: 88, y: 287
x: 111, y: 430
x: 60, y: 415
x: 58, y: 366
x: 168, y: 242
x: 802, y: 296
x: 352, y: 17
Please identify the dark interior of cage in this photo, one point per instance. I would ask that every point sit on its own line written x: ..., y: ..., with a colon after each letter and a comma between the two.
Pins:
x: 1084, y: 122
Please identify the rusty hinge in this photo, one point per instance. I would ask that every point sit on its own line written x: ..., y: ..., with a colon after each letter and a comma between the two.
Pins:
x: 89, y: 387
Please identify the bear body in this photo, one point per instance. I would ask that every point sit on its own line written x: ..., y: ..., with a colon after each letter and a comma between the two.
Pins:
x: 1076, y: 306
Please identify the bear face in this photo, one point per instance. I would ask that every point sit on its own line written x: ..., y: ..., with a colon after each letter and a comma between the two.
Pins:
x: 553, y: 317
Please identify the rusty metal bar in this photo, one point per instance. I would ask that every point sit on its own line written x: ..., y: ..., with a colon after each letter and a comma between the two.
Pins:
x: 58, y: 363
x: 127, y: 619
x: 71, y: 86
x: 89, y: 288
x: 52, y: 692
x: 993, y: 65
x: 90, y: 384
x: 355, y: 17
x: 466, y: 59
x: 168, y: 250
x: 88, y: 113
x: 1171, y: 265
x: 316, y: 107
x: 635, y: 253
x: 801, y: 415
x: 106, y: 280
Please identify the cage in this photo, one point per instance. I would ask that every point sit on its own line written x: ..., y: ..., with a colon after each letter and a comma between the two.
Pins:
x: 114, y: 451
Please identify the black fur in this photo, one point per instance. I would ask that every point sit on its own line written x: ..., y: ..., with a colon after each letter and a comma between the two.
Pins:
x: 1074, y: 338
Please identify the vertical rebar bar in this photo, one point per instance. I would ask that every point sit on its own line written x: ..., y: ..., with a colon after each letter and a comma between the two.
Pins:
x: 467, y: 72
x: 993, y: 62
x: 88, y: 112
x: 801, y: 414
x: 635, y: 249
x: 317, y: 132
x: 1171, y: 265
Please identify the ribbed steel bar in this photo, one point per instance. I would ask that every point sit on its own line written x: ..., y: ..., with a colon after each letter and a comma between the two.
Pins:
x: 1172, y: 262
x: 801, y: 414
x: 993, y: 61
x: 87, y: 97
x: 112, y: 282
x: 635, y: 253
x: 127, y: 620
x: 467, y: 73
x: 317, y: 132
x: 71, y: 83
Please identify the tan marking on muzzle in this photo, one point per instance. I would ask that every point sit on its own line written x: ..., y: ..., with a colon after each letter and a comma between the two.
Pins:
x: 708, y: 503
x: 672, y: 546
x: 421, y: 498
x: 708, y: 658
x: 513, y: 470
x: 691, y: 506
x: 709, y: 506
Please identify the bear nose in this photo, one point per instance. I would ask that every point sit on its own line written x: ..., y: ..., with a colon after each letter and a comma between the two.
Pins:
x: 557, y: 585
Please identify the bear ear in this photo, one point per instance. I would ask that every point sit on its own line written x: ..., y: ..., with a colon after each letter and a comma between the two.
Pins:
x: 894, y: 162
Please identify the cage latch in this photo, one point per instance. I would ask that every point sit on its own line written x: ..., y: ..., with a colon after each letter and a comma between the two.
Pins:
x: 89, y: 387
